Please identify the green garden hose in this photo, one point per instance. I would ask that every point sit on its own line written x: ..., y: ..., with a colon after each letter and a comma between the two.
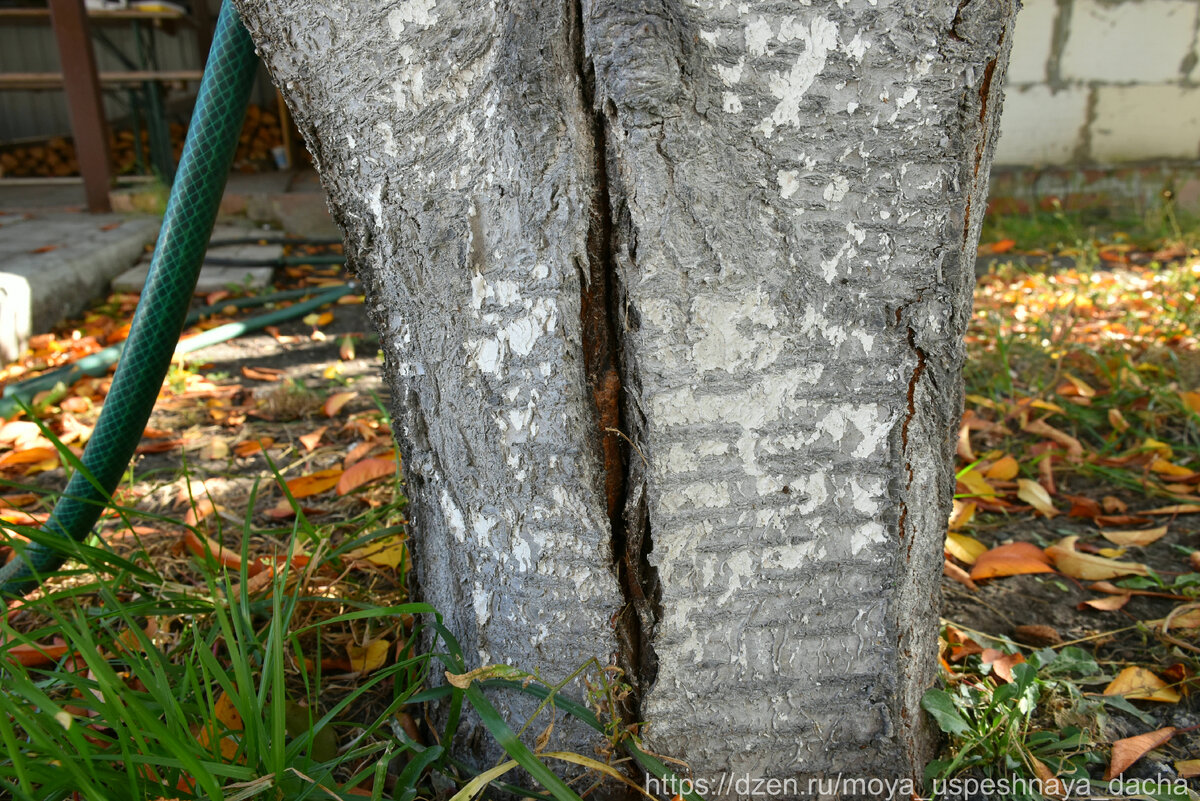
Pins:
x: 157, y: 323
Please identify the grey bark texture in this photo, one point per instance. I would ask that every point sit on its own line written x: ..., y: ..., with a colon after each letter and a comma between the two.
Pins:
x: 740, y: 233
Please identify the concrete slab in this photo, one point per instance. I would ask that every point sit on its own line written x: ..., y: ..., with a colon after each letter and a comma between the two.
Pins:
x: 53, y: 265
x: 1122, y: 43
x: 214, y: 277
x: 1041, y: 126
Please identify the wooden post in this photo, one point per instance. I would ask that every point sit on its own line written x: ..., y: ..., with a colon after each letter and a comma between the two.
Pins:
x: 82, y: 86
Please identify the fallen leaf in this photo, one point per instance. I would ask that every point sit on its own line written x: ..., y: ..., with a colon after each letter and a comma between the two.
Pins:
x: 1002, y: 663
x: 956, y: 573
x: 1134, y: 538
x: 1082, y: 507
x: 33, y: 655
x: 314, y: 483
x: 963, y: 548
x: 1110, y: 603
x: 1165, y: 468
x: 1014, y: 559
x: 1194, y: 561
x: 1044, y: 429
x: 1129, y: 750
x: 362, y: 449
x: 1113, y: 589
x: 964, y: 443
x: 159, y: 446
x: 1187, y: 768
x: 368, y: 658
x: 205, y: 546
x: 1152, y: 445
x: 1036, y: 496
x: 1140, y: 684
x: 1087, y: 566
x: 1037, y: 634
x: 1105, y: 521
x: 387, y: 552
x: 29, y: 457
x: 1052, y: 786
x: 336, y: 401
x: 1077, y: 387
x: 364, y: 472
x: 1113, y: 505
x: 249, y: 447
x: 1004, y: 469
x: 312, y: 439
x: 1117, y: 421
x: 262, y: 373
x: 975, y: 484
x: 1176, y: 509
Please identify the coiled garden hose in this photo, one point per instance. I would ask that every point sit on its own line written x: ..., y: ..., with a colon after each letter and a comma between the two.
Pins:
x: 157, y: 323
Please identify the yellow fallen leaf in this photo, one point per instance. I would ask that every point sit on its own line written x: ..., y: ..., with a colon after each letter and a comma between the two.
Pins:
x: 1087, y: 566
x: 388, y: 552
x: 963, y: 548
x: 1142, y: 685
x: 987, y: 403
x: 1128, y: 750
x: 370, y: 657
x: 1165, y: 468
x: 1191, y: 400
x: 1047, y: 406
x: 1134, y: 538
x: 1161, y: 448
x: 1036, y: 496
x: 961, y: 514
x: 976, y: 484
x: 1082, y: 388
x: 1005, y: 469
x: 1111, y: 553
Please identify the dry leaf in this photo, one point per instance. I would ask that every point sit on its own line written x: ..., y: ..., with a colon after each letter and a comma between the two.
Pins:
x: 364, y: 472
x: 1140, y: 684
x: 964, y: 443
x: 1044, y: 429
x: 336, y: 401
x: 262, y: 373
x: 1037, y: 634
x: 1129, y: 750
x: 1113, y: 505
x: 312, y: 439
x: 1077, y: 386
x: 314, y: 483
x: 1014, y: 559
x: 961, y: 646
x: 29, y: 456
x: 1109, y: 603
x: 1176, y: 509
x: 956, y: 573
x: 1036, y: 496
x: 368, y: 658
x: 1165, y: 468
x: 1052, y: 786
x: 1187, y: 768
x: 975, y: 484
x: 1117, y: 421
x: 963, y: 548
x: 1082, y: 507
x: 1002, y: 663
x: 387, y: 552
x: 1134, y: 538
x: 249, y: 447
x: 1005, y: 469
x: 1087, y: 566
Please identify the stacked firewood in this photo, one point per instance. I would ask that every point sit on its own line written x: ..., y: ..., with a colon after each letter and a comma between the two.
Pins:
x: 55, y: 157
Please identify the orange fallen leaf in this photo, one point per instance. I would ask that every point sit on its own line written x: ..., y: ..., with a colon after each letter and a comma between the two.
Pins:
x: 159, y: 446
x: 312, y: 439
x: 1135, y: 538
x: 956, y: 573
x: 336, y: 401
x: 1087, y: 566
x: 1129, y: 750
x: 206, y: 546
x: 1004, y: 469
x: 1052, y: 786
x: 249, y: 447
x: 1014, y: 559
x: 961, y: 646
x: 32, y: 655
x: 26, y: 457
x: 1002, y: 663
x: 364, y: 472
x: 1187, y: 768
x: 1140, y: 684
x: 1117, y: 421
x: 1036, y: 496
x: 1191, y: 400
x: 262, y: 373
x: 314, y: 483
x: 1044, y: 429
x: 362, y: 449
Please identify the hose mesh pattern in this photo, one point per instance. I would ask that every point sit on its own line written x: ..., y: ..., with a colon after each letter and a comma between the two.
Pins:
x: 158, y: 321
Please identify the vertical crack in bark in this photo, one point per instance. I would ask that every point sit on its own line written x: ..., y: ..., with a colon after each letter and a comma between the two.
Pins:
x: 910, y: 413
x: 602, y: 353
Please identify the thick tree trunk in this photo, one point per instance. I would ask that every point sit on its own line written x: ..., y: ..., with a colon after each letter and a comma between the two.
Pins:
x: 672, y: 296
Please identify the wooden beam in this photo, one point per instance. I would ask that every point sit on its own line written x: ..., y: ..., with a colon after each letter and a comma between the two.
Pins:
x: 88, y: 124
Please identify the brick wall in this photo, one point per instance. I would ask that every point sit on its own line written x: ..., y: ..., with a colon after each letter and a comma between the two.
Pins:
x: 1102, y: 82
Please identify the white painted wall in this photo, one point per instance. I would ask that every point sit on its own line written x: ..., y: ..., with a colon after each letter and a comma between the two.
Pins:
x: 1102, y: 82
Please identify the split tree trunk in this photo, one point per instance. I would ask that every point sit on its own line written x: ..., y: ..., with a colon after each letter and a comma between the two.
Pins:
x: 672, y: 296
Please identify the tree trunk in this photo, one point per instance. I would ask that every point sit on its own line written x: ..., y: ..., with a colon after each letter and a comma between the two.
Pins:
x: 672, y: 296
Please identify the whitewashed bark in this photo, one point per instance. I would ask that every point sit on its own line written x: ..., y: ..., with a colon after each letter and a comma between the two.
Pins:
x: 782, y: 199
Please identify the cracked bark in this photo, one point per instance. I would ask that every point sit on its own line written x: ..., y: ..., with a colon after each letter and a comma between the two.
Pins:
x: 672, y: 297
